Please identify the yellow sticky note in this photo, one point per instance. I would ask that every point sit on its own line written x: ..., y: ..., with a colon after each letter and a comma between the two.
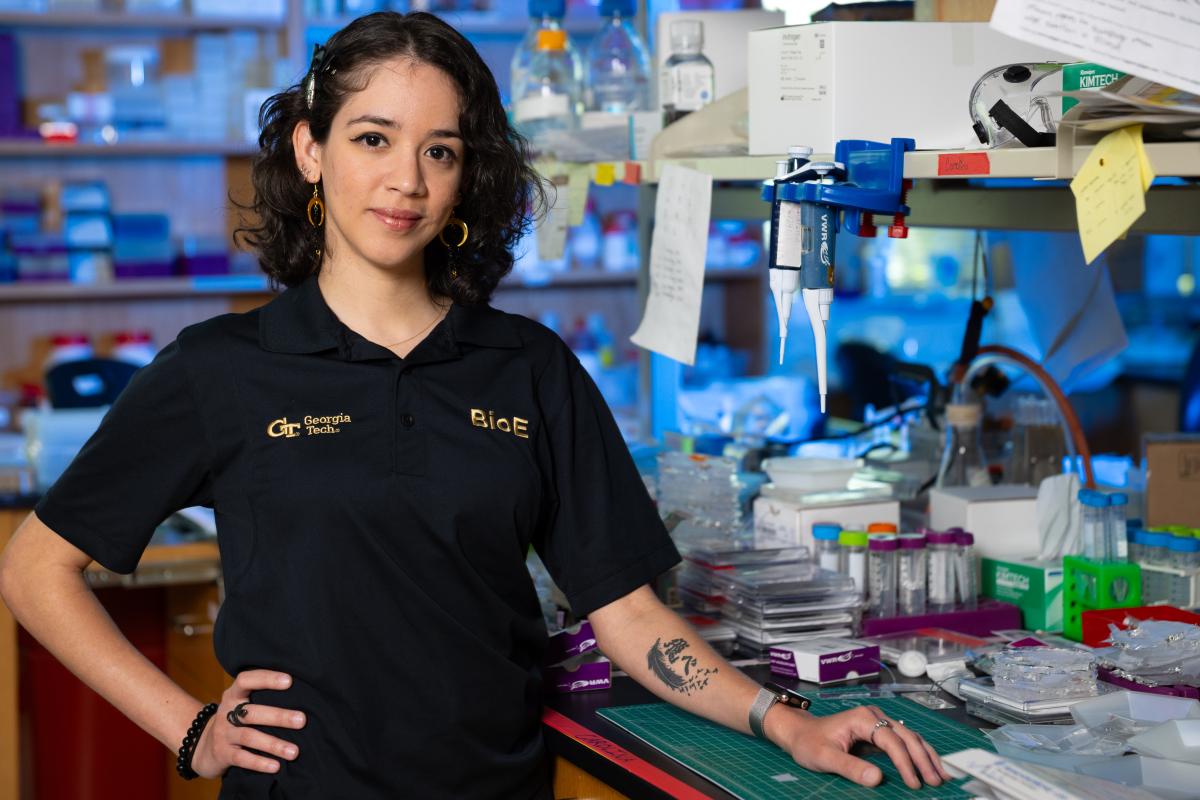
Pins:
x: 605, y: 174
x: 1135, y: 132
x: 1109, y: 192
x: 579, y: 176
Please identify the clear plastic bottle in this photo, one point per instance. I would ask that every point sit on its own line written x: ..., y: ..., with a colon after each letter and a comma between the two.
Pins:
x: 826, y: 554
x: 854, y: 558
x: 943, y: 550
x: 964, y: 570
x: 881, y: 568
x: 910, y: 594
x: 963, y: 462
x: 618, y: 67
x: 546, y: 79
x: 687, y: 81
x: 1114, y: 529
x: 1093, y: 509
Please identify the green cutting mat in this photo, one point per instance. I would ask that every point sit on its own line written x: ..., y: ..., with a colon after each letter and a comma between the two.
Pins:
x: 752, y: 769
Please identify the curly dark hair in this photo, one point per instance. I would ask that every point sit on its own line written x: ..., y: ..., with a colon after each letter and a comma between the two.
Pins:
x: 501, y: 193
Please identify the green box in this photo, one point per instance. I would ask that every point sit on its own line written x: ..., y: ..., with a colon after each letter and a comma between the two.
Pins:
x: 1035, y: 587
x: 1085, y: 76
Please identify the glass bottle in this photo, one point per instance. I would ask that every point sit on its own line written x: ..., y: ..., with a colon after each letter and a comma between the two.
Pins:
x: 618, y: 67
x: 547, y: 78
x: 687, y: 81
x: 963, y: 463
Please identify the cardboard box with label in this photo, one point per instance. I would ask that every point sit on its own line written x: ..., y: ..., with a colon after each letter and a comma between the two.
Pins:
x: 784, y: 523
x: 1035, y: 587
x: 1172, y: 480
x: 1003, y: 518
x: 815, y: 84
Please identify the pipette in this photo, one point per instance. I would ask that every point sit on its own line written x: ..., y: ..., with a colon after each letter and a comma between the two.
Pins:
x: 811, y: 202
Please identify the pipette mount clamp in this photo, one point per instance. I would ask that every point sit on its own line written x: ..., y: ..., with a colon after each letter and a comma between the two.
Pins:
x: 812, y: 201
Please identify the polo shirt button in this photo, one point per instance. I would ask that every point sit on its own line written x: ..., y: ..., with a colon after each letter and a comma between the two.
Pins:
x: 407, y: 420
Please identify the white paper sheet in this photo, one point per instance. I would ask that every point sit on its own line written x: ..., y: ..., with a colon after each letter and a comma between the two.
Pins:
x: 552, y: 229
x: 1157, y: 39
x: 671, y: 321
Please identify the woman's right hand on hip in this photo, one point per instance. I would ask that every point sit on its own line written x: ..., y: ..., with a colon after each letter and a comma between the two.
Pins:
x: 223, y: 745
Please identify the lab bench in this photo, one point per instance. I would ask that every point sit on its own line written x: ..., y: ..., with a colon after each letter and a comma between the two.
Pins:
x: 595, y: 758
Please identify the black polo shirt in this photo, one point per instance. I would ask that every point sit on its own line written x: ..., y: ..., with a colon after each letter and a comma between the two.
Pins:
x: 374, y: 515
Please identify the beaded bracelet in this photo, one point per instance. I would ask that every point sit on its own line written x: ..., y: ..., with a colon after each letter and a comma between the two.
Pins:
x: 183, y: 764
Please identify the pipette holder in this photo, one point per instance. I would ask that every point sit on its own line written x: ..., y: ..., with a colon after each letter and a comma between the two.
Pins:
x: 1092, y: 585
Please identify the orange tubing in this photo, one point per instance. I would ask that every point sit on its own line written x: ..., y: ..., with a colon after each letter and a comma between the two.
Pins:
x: 1064, y: 405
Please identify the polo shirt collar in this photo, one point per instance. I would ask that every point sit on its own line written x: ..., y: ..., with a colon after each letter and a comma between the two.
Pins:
x: 300, y: 321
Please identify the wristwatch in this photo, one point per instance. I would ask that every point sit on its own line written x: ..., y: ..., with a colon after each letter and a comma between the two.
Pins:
x: 769, y: 695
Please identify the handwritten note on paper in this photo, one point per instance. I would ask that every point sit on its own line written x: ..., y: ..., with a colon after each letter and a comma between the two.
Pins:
x: 671, y: 321
x: 1156, y: 39
x: 552, y: 229
x: 1110, y: 190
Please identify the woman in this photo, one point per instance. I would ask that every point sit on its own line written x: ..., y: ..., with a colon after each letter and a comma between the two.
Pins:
x: 381, y: 449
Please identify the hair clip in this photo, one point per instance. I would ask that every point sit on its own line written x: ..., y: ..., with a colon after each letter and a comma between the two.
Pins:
x: 310, y: 81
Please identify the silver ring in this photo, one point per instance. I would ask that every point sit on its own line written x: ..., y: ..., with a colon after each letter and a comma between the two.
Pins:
x: 899, y: 722
x: 883, y: 723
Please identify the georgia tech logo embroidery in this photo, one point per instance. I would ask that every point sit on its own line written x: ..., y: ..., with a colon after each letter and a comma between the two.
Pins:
x: 282, y: 428
x: 488, y: 419
x: 312, y: 426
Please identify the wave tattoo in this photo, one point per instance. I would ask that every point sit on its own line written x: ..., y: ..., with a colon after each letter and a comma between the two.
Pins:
x: 679, y: 672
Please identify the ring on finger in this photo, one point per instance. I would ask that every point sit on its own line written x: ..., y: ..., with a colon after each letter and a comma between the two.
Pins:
x: 237, y: 714
x: 880, y: 723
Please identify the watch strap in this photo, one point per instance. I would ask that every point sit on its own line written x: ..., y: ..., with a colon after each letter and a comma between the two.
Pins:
x: 758, y: 710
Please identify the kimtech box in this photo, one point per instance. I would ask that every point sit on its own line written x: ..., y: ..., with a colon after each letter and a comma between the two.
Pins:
x: 1035, y: 587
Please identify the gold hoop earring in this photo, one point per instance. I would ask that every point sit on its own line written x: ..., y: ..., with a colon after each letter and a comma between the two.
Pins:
x: 315, y: 203
x: 455, y: 222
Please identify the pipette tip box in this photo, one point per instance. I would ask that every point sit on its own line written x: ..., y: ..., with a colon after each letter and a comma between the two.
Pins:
x: 825, y: 660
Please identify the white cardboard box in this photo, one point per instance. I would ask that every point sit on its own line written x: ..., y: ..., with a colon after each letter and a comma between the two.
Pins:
x: 815, y: 84
x: 1003, y: 518
x: 781, y: 523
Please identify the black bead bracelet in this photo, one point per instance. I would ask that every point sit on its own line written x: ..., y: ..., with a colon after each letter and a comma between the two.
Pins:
x: 183, y: 764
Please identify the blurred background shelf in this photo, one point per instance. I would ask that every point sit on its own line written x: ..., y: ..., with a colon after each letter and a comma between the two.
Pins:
x: 36, y: 148
x: 235, y: 285
x: 113, y: 19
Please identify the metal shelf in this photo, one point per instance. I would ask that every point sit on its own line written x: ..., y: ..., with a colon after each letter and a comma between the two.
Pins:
x: 36, y: 148
x: 105, y: 19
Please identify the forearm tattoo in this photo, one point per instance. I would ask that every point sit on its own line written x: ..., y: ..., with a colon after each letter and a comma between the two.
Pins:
x: 681, y: 673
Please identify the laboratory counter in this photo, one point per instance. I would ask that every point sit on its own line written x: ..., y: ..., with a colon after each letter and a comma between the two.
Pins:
x: 583, y: 742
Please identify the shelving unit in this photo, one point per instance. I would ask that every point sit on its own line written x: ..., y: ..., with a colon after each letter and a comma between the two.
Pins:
x: 36, y: 148
x: 238, y: 285
x: 166, y: 21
